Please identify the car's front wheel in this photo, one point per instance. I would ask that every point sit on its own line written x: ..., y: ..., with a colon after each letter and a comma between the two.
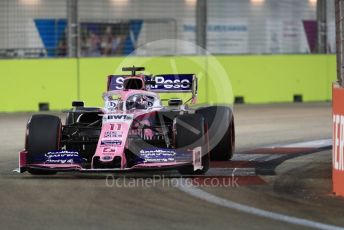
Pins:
x: 43, y: 135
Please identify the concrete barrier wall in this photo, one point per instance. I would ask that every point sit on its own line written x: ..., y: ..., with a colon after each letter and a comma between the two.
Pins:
x: 25, y: 83
x: 258, y: 79
x: 264, y: 79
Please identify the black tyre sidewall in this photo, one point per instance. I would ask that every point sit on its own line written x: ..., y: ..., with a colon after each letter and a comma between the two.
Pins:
x: 186, y: 140
x: 43, y: 135
x: 220, y: 121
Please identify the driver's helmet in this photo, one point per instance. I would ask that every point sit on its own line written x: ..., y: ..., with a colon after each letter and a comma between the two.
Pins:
x: 138, y: 102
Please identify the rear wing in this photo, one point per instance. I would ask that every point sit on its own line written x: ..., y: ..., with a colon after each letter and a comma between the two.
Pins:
x: 163, y: 83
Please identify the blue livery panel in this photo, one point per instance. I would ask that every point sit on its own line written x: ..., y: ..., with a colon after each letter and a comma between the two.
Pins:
x: 163, y: 83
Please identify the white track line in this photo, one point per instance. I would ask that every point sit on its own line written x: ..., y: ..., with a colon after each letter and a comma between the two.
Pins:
x: 311, y: 144
x: 201, y: 194
x: 322, y: 143
x: 231, y: 171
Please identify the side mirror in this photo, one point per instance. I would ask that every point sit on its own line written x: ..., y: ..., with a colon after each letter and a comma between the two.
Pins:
x: 78, y: 104
x: 175, y: 102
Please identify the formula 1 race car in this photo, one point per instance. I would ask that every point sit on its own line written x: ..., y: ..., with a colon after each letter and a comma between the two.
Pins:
x: 133, y: 131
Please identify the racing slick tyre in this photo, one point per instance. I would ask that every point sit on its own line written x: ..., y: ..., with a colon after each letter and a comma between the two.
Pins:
x: 43, y: 135
x: 221, y: 134
x: 189, y: 132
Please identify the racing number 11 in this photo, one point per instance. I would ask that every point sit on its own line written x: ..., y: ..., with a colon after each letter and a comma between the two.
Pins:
x: 112, y: 126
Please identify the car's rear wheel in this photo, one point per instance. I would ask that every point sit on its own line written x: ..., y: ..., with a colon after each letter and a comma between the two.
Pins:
x: 44, y: 135
x: 190, y: 133
x: 221, y: 134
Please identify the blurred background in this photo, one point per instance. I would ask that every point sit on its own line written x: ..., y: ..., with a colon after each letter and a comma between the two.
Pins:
x: 271, y: 50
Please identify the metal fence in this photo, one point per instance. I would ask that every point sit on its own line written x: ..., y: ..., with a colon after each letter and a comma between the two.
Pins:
x: 61, y: 28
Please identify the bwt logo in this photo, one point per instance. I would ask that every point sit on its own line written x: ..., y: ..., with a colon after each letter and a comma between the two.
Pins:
x: 119, y: 117
x: 338, y: 142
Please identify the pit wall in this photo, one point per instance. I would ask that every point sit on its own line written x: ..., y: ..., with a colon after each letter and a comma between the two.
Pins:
x: 258, y: 79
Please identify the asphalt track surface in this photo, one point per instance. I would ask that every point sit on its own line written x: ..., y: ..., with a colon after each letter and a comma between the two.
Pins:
x: 287, y: 182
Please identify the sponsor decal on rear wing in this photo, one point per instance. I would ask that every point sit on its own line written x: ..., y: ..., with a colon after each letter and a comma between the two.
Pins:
x: 174, y: 83
x: 164, y: 83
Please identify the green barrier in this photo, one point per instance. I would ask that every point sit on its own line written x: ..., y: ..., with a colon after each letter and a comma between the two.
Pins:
x: 25, y: 83
x: 277, y: 78
x: 259, y: 79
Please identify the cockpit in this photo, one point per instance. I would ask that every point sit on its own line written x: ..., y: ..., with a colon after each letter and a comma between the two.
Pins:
x: 136, y: 101
x: 139, y: 101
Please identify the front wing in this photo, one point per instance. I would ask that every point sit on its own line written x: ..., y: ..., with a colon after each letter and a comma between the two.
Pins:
x: 61, y: 163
